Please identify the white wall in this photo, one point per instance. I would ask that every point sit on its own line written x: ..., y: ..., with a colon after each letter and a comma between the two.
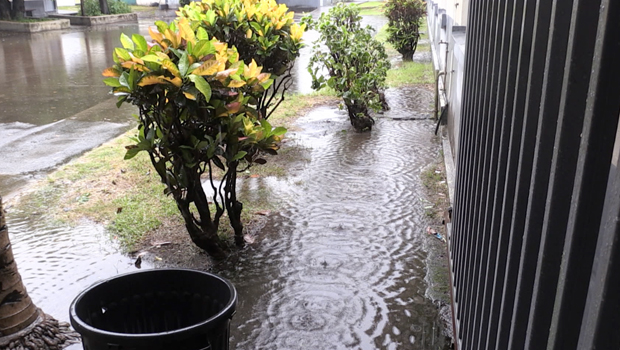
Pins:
x: 447, y: 35
x: 455, y: 9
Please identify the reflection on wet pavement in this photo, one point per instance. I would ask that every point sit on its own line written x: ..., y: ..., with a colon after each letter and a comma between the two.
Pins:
x: 57, y: 262
x: 56, y: 106
x: 342, y: 266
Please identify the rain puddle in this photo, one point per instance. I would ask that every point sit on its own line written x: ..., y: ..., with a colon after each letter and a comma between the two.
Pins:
x: 342, y: 266
x: 57, y: 262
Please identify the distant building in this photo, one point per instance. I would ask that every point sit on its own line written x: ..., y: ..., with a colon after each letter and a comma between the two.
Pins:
x: 41, y: 8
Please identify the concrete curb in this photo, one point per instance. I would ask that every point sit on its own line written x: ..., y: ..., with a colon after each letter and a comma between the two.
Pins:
x: 98, y: 20
x: 33, y: 27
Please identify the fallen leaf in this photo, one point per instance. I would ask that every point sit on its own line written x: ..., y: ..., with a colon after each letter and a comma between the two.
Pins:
x: 159, y: 243
x: 138, y: 262
x: 263, y: 212
x: 248, y: 239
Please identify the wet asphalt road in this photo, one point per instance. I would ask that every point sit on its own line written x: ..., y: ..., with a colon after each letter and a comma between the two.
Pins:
x: 54, y: 105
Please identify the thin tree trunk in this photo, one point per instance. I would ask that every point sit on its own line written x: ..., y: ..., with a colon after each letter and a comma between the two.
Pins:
x: 202, y: 229
x: 103, y: 5
x: 22, y: 324
x: 233, y: 206
x: 18, y: 10
x: 359, y: 117
x: 5, y: 10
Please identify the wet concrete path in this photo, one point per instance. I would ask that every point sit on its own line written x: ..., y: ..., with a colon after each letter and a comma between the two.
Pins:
x: 55, y: 105
x: 343, y: 265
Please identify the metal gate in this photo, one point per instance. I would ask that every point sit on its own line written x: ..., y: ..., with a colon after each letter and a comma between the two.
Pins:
x: 534, y: 247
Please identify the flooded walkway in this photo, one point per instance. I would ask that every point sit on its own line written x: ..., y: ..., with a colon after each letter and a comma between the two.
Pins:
x: 342, y: 266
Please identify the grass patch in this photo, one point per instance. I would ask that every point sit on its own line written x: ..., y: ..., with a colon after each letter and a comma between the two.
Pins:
x: 436, y: 192
x: 134, y: 8
x: 410, y: 73
x: 125, y: 196
x: 434, y: 180
x: 138, y: 8
x: 371, y: 8
x: 70, y: 8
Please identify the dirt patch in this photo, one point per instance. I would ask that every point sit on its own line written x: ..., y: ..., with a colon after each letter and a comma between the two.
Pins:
x: 438, y: 267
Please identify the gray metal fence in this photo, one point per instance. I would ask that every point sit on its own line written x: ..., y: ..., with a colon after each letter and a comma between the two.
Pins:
x: 535, y: 241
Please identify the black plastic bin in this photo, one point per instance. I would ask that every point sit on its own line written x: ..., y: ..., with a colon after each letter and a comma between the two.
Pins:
x: 156, y: 309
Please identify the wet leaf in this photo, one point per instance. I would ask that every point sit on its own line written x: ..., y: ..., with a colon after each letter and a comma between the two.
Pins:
x: 122, y: 54
x: 152, y: 58
x: 236, y: 83
x: 171, y: 67
x: 138, y: 262
x: 140, y: 42
x: 186, y: 31
x: 126, y: 41
x: 201, y: 85
x: 207, y: 68
x: 151, y: 80
x: 239, y: 155
x: 183, y: 64
x: 113, y: 82
x: 233, y: 107
x: 111, y: 72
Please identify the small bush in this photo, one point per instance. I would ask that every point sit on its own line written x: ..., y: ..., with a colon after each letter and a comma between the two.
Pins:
x: 193, y: 94
x: 117, y: 7
x: 355, y: 63
x: 91, y: 8
x: 260, y: 30
x: 404, y: 25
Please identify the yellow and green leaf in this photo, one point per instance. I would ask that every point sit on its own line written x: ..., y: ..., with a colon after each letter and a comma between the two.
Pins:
x: 202, y: 85
x: 151, y: 80
x: 111, y: 72
x: 171, y: 67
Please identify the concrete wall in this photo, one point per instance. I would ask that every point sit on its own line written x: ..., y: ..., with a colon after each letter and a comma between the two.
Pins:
x: 172, y: 4
x: 447, y: 37
x: 304, y: 3
x: 39, y: 8
x: 455, y: 9
x: 33, y: 27
x: 98, y: 20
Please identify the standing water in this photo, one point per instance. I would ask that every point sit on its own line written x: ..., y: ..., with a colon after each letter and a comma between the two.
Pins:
x: 342, y: 266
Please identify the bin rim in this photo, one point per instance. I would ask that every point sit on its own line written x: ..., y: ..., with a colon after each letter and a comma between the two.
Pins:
x: 226, y: 312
